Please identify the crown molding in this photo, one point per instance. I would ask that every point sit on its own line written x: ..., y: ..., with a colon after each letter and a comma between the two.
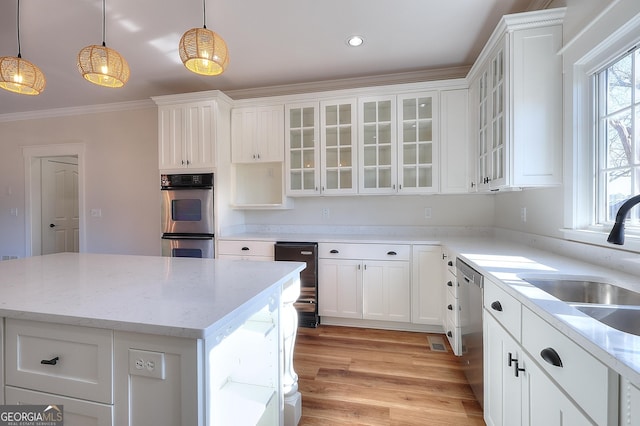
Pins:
x: 81, y: 110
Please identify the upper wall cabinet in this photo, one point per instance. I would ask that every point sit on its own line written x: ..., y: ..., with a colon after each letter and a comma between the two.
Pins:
x: 516, y: 103
x: 321, y: 147
x: 257, y: 134
x: 187, y: 129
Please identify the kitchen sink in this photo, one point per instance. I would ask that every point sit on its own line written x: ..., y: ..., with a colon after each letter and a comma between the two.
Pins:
x: 573, y: 290
x: 626, y: 319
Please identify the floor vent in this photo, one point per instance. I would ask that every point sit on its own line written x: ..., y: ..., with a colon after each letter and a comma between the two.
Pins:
x: 436, y: 344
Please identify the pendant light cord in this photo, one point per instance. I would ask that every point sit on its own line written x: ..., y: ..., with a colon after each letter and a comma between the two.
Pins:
x: 104, y: 23
x: 204, y: 13
x: 19, y: 55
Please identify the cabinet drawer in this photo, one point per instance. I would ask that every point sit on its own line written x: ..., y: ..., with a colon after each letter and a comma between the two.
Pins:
x: 76, y: 412
x: 364, y: 251
x: 585, y: 379
x: 504, y: 307
x: 452, y: 309
x: 453, y: 335
x: 84, y: 365
x: 452, y: 284
x: 247, y: 248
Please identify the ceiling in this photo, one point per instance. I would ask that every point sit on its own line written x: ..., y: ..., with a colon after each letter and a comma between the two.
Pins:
x: 271, y: 43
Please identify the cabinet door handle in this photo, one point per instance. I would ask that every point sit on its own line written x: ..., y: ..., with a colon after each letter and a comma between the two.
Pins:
x: 511, y: 359
x: 496, y: 306
x: 392, y: 253
x: 450, y: 307
x: 334, y: 251
x: 52, y: 361
x: 551, y: 356
x: 516, y: 368
x: 245, y: 248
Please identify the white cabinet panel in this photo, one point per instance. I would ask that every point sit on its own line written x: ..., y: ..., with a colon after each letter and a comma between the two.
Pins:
x: 340, y: 288
x: 427, y: 291
x: 257, y: 134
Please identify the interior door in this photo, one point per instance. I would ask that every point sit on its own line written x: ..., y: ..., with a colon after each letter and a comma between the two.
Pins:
x: 60, y: 213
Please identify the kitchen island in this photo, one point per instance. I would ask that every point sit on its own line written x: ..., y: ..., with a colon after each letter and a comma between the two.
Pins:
x: 142, y: 340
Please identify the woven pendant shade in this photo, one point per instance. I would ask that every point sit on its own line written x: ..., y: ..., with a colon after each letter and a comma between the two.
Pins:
x: 103, y: 66
x: 203, y: 52
x: 21, y: 76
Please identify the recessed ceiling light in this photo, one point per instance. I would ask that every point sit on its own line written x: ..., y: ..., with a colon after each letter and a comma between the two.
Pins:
x: 355, y: 41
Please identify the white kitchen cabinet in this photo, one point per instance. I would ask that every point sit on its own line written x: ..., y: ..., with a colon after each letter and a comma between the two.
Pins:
x: 629, y: 403
x: 427, y: 291
x: 186, y: 135
x: 246, y: 250
x: 377, y: 145
x: 321, y: 155
x: 552, y: 386
x: 340, y: 288
x: 451, y: 323
x: 454, y: 142
x: 517, y: 103
x: 418, y: 142
x: 359, y: 281
x: 257, y: 134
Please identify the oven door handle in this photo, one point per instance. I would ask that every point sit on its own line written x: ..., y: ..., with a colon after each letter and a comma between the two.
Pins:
x: 187, y: 237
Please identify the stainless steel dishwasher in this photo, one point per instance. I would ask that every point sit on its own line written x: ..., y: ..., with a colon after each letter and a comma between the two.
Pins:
x: 470, y: 298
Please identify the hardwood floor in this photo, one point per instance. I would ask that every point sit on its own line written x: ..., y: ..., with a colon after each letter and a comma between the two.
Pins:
x: 355, y: 376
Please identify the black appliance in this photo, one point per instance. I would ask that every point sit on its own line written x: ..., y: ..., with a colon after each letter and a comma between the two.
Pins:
x: 187, y: 215
x: 307, y: 303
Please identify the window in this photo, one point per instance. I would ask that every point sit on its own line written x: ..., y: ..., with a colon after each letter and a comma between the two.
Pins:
x: 618, y: 138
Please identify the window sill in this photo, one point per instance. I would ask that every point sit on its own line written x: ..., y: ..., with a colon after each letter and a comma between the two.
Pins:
x: 598, y: 236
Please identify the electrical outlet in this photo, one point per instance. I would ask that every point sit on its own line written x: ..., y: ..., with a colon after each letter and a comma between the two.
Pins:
x: 427, y: 212
x: 146, y: 364
x: 523, y: 214
x: 96, y: 212
x: 325, y: 213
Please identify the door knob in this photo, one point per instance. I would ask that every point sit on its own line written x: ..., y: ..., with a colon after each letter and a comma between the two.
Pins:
x: 51, y: 225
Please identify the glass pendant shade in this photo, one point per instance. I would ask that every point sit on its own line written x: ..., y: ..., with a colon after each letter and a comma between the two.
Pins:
x: 21, y: 76
x: 103, y: 66
x: 203, y: 52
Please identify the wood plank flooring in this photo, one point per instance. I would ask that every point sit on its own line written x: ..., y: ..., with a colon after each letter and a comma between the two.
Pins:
x: 355, y: 376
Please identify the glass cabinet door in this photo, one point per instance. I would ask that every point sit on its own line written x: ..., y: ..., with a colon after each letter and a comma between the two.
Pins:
x: 338, y: 146
x: 418, y: 147
x: 483, y: 130
x: 377, y: 144
x: 497, y: 120
x: 303, y: 162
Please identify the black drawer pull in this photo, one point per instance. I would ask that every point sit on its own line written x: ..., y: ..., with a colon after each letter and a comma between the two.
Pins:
x: 450, y: 334
x: 551, y: 356
x: 496, y: 306
x: 334, y: 251
x: 449, y: 284
x: 52, y: 361
x: 450, y: 263
x: 392, y: 253
x: 245, y: 248
x: 450, y: 307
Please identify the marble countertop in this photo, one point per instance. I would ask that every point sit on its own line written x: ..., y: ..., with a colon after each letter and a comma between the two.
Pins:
x: 147, y: 294
x: 508, y: 263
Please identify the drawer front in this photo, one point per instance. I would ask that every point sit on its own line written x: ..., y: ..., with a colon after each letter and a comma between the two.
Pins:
x: 452, y: 285
x: 452, y: 310
x: 364, y: 251
x: 585, y: 379
x: 247, y: 248
x: 75, y: 411
x: 84, y: 365
x: 453, y: 335
x: 504, y: 308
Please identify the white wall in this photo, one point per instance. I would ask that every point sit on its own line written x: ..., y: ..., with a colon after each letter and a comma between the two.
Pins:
x: 405, y: 210
x: 122, y: 179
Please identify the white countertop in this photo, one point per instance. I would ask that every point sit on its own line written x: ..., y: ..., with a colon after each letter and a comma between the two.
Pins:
x: 158, y: 295
x: 507, y: 263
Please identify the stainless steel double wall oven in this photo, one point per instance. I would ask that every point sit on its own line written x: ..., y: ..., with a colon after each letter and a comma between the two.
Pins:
x: 187, y: 215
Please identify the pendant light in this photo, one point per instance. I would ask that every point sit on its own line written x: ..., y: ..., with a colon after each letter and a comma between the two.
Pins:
x: 202, y: 51
x: 102, y: 65
x: 19, y: 75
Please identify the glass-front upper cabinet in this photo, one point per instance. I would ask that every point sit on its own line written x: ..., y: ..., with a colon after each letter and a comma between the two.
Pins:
x: 377, y: 145
x: 483, y: 130
x: 338, y: 141
x: 303, y: 149
x: 418, y: 145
